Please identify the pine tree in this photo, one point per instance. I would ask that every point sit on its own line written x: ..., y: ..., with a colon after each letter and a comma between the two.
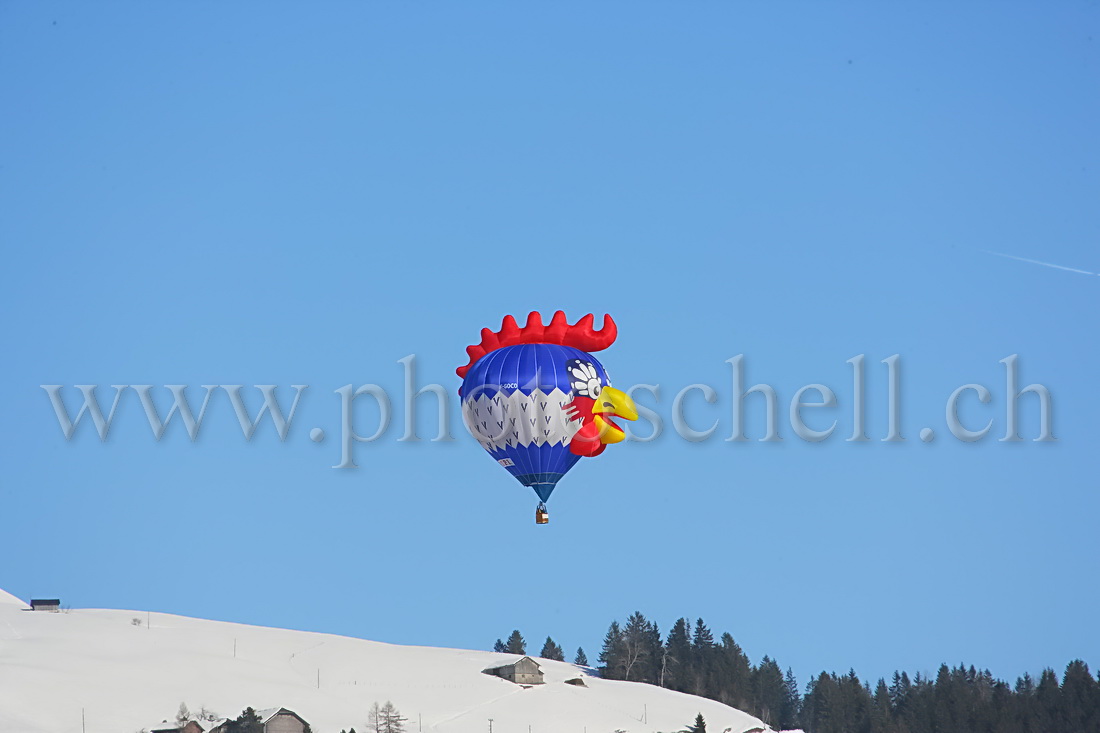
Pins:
x: 943, y: 699
x: 655, y: 652
x: 881, y: 718
x: 702, y: 648
x: 821, y: 708
x: 611, y: 657
x: 921, y: 714
x: 1048, y: 701
x: 1080, y: 698
x: 550, y: 650
x: 247, y: 722
x: 731, y: 675
x: 678, y: 657
x: 637, y: 642
x: 516, y: 644
x: 702, y: 639
x: 581, y: 658
x: 769, y: 692
x: 792, y: 702
x: 900, y: 690
x: 699, y: 726
x: 499, y: 646
x: 856, y: 701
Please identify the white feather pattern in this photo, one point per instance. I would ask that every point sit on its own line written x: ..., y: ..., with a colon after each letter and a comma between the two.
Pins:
x: 519, y: 419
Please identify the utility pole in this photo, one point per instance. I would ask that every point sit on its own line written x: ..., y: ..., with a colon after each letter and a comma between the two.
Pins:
x: 318, y: 678
x: 645, y: 713
x: 234, y: 648
x: 490, y: 725
x: 82, y: 720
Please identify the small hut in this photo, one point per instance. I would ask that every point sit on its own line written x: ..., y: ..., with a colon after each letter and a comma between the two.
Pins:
x: 523, y: 671
x: 46, y: 604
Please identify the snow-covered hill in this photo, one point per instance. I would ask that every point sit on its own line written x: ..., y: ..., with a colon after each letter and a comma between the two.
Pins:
x: 124, y: 676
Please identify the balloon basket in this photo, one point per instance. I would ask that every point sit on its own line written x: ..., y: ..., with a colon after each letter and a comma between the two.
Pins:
x: 542, y: 516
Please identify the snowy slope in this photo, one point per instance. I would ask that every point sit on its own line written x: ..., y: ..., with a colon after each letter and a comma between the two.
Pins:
x: 124, y: 676
x: 7, y: 599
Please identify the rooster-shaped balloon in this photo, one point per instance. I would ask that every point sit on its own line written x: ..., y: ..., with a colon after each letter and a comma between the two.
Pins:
x: 537, y: 400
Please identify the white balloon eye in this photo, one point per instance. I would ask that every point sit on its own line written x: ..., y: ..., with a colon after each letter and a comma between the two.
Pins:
x: 584, y: 380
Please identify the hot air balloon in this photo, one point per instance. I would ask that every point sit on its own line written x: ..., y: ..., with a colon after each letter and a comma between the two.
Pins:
x: 538, y: 401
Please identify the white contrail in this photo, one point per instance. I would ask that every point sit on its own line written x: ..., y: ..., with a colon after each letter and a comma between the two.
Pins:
x: 1037, y: 262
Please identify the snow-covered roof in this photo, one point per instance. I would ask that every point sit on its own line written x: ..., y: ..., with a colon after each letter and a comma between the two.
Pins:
x: 517, y: 660
x: 170, y: 725
x: 268, y: 713
x: 162, y: 725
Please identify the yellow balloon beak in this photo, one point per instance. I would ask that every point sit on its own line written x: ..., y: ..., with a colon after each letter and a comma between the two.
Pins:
x: 613, y: 402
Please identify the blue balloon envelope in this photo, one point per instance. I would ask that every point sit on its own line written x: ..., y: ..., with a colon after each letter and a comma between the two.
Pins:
x: 514, y: 401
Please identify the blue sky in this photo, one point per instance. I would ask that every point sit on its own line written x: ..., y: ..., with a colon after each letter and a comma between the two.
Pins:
x: 245, y: 194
